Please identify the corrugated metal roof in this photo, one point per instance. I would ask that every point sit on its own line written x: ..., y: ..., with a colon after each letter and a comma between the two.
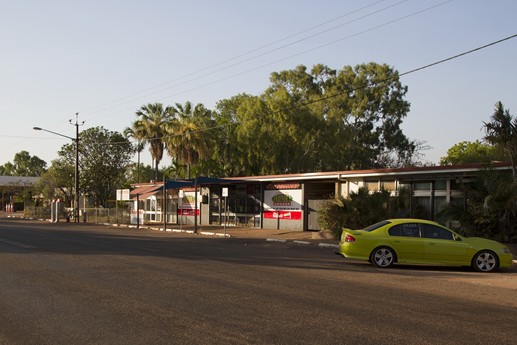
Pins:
x: 18, y: 180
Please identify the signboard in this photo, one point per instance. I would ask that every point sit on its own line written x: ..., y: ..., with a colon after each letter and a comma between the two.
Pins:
x: 187, y: 203
x: 123, y: 195
x: 225, y: 191
x: 283, y: 204
x: 136, y: 216
x: 288, y: 215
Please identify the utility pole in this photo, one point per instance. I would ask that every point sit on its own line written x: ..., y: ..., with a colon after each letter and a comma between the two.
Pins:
x: 77, y: 194
x: 76, y: 140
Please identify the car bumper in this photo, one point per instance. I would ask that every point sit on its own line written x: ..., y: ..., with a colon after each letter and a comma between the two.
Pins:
x: 352, y: 251
x: 505, y: 260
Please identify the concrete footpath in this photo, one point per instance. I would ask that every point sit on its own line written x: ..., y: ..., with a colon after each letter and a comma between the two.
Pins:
x: 272, y: 235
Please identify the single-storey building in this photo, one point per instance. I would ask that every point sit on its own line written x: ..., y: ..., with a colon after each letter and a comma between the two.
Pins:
x: 9, y: 186
x: 292, y: 201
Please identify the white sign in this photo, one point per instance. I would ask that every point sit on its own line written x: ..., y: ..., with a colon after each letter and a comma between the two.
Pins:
x: 225, y: 191
x: 123, y: 194
x: 287, y: 199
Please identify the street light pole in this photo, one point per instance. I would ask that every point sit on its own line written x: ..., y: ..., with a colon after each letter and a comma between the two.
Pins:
x: 76, y: 141
x: 77, y: 194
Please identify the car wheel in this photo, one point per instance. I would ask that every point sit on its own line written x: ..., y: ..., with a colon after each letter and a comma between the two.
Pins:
x: 485, y: 261
x: 383, y: 257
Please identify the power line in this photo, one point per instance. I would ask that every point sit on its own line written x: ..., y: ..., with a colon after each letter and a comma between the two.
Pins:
x: 248, y: 53
x: 296, y: 54
x: 357, y: 88
x: 459, y: 55
x: 400, y: 74
x: 380, y: 81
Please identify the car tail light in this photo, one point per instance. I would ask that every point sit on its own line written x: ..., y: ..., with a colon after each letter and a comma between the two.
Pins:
x: 349, y: 238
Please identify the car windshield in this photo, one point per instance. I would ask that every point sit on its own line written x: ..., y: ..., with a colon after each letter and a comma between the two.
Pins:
x: 375, y: 226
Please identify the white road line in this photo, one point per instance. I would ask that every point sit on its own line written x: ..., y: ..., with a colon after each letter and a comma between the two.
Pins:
x: 18, y: 244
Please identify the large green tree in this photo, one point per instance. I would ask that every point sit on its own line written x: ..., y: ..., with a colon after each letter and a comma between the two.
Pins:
x: 320, y: 120
x: 103, y: 157
x: 151, y: 128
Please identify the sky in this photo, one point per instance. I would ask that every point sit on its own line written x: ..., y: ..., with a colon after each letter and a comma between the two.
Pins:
x: 104, y: 59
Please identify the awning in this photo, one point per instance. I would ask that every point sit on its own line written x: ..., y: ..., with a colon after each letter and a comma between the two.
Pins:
x: 201, y: 181
x: 144, y: 192
x: 178, y: 184
x: 204, y: 180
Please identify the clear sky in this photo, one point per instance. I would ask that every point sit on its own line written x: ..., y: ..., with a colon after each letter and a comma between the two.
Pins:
x: 104, y: 59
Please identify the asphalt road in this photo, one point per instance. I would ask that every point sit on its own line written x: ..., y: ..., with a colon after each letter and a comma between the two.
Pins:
x: 75, y: 284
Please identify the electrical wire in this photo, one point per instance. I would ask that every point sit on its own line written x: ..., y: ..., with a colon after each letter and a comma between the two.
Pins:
x: 378, y: 82
x: 247, y: 53
x: 291, y: 56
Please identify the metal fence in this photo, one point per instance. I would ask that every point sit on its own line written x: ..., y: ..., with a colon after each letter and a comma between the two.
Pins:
x: 88, y: 215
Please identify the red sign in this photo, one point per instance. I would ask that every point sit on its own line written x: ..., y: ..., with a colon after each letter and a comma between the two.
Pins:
x: 187, y: 212
x: 290, y: 215
x: 275, y: 186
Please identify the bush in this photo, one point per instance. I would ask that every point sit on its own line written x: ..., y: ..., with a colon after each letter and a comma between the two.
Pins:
x: 361, y: 209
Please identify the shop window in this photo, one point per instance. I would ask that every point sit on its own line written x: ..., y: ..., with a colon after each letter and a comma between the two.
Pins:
x: 372, y: 186
x: 388, y: 185
x: 422, y: 186
x: 440, y: 185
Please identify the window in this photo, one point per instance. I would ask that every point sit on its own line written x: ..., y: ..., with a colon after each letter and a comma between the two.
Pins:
x: 372, y: 186
x: 436, y: 232
x: 376, y: 226
x: 388, y: 185
x: 405, y: 230
x: 422, y: 186
x: 440, y: 185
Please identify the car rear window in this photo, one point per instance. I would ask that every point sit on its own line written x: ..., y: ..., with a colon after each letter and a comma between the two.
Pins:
x: 405, y: 230
x: 376, y: 226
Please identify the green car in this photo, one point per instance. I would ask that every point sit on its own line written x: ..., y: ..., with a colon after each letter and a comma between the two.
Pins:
x: 417, y: 241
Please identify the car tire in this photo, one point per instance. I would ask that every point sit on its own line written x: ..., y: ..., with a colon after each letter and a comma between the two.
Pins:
x: 383, y: 257
x: 485, y: 261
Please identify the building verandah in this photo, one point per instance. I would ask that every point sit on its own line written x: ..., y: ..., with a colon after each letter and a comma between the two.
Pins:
x: 291, y: 202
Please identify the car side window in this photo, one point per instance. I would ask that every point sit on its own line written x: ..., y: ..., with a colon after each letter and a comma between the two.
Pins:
x: 405, y: 230
x: 436, y: 232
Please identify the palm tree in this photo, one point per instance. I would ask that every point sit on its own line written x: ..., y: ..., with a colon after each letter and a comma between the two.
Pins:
x: 502, y: 131
x: 150, y: 128
x: 190, y: 139
x: 128, y: 132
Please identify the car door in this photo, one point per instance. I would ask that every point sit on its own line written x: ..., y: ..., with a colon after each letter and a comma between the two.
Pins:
x: 405, y: 239
x: 441, y: 246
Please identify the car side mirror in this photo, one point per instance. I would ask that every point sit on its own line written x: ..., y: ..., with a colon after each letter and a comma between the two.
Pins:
x: 457, y: 238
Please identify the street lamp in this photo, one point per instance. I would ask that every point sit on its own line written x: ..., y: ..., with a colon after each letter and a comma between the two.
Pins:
x: 76, y: 140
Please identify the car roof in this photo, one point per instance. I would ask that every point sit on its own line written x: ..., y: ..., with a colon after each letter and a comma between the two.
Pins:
x: 411, y: 220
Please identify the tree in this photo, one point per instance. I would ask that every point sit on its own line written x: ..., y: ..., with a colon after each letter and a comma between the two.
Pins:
x: 490, y: 207
x: 230, y: 154
x: 363, y: 110
x: 190, y: 136
x: 501, y: 131
x: 321, y: 120
x: 136, y: 177
x: 467, y: 152
x: 104, y: 157
x: 361, y: 209
x: 24, y: 165
x: 150, y: 127
x: 57, y: 181
x: 138, y: 173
